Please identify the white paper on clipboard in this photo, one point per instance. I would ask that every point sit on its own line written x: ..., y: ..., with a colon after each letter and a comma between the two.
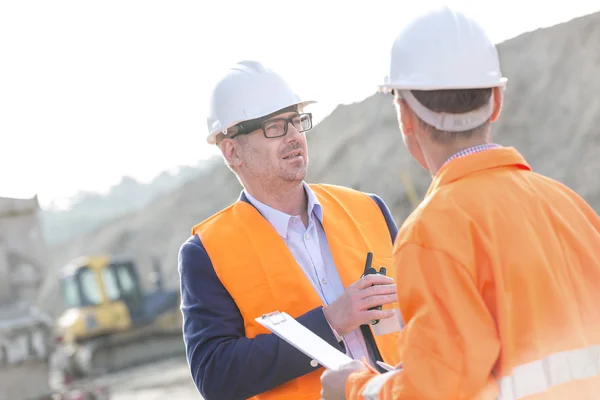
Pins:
x: 302, y: 338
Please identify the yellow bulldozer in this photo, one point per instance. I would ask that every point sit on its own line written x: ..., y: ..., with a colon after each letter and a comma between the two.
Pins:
x: 109, y: 323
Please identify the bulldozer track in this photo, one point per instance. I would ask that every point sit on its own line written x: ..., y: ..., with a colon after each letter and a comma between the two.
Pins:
x: 101, y: 356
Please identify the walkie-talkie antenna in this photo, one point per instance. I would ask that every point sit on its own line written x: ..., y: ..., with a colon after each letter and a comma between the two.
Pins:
x: 368, y: 262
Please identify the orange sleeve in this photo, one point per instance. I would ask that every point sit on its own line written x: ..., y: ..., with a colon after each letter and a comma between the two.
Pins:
x: 357, y: 380
x: 449, y: 344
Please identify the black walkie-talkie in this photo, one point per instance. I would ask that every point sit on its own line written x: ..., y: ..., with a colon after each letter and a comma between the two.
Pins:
x: 372, y: 349
x: 369, y: 270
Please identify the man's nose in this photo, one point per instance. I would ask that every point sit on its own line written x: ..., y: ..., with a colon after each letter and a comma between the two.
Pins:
x: 292, y: 132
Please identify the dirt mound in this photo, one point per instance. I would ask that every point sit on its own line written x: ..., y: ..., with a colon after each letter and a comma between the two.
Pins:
x: 551, y: 114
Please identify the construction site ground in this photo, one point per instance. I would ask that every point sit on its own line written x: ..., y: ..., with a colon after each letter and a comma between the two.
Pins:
x: 168, y: 379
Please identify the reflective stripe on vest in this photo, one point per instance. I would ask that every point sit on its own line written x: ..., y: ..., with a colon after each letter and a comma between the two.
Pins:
x: 528, y: 379
x: 539, y: 376
x: 374, y: 385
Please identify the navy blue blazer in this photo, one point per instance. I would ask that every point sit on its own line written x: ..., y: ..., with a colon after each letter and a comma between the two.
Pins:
x: 224, y: 363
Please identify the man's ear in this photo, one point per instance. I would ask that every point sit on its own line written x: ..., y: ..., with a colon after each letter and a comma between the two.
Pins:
x: 405, y: 117
x: 498, y: 102
x: 231, y: 152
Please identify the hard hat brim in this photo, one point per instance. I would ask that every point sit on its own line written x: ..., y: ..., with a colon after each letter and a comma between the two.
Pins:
x: 388, y: 87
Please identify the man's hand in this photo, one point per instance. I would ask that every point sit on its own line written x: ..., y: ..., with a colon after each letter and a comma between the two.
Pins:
x: 351, y: 309
x: 333, y: 383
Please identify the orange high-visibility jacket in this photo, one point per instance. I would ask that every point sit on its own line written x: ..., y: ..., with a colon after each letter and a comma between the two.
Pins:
x: 261, y: 275
x: 498, y: 277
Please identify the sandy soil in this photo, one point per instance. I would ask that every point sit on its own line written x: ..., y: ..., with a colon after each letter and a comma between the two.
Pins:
x: 169, y: 379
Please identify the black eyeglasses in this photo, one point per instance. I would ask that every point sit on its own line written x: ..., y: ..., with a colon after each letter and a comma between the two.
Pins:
x: 275, y: 127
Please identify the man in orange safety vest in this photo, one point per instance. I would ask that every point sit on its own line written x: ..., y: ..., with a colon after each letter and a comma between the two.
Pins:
x: 498, y: 269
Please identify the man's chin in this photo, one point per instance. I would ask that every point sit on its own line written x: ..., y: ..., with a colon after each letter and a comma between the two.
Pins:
x: 294, y: 176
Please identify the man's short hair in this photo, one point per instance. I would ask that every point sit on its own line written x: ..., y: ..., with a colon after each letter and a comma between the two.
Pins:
x: 454, y: 101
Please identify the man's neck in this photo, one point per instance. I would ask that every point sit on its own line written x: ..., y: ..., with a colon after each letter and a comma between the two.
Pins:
x: 290, y: 199
x: 439, y: 154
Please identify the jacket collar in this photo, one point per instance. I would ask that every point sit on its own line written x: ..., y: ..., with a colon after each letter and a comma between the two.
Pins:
x: 458, y: 168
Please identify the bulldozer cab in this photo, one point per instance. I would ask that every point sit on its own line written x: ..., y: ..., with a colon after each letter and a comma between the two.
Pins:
x: 110, y: 321
x: 121, y: 282
x: 103, y: 280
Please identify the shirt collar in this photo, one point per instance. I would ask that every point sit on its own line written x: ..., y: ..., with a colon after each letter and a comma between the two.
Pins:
x: 472, y: 150
x: 280, y: 220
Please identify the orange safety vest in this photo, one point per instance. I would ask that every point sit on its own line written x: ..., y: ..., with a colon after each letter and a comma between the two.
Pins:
x: 262, y: 275
x: 499, y: 285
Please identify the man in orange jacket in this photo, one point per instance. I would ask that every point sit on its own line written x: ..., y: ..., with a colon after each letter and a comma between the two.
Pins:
x: 498, y: 269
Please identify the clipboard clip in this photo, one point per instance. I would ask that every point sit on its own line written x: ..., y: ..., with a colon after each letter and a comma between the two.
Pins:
x: 274, y: 317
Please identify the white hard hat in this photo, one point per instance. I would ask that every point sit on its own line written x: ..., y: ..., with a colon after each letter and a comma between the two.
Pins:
x: 443, y: 49
x: 247, y: 91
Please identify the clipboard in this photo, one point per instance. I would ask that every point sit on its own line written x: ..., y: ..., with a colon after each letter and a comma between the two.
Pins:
x: 303, y: 339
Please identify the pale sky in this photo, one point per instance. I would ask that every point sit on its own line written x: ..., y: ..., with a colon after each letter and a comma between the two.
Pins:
x: 91, y: 91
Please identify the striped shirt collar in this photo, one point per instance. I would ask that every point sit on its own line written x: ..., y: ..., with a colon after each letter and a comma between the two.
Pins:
x: 472, y: 150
